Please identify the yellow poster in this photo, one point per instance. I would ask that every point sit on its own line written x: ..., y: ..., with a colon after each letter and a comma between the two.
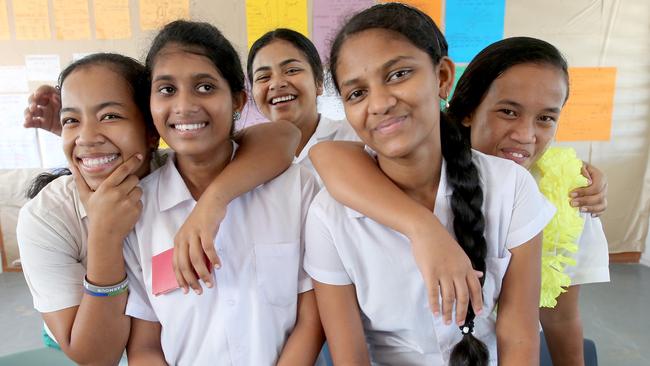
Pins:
x: 587, y: 115
x: 4, y: 21
x: 156, y: 13
x: 112, y: 19
x: 71, y: 19
x: 265, y: 15
x: 432, y: 8
x: 32, y: 20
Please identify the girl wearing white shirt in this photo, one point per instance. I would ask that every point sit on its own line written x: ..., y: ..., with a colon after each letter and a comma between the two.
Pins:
x: 389, y: 64
x: 260, y: 309
x: 71, y: 232
x: 511, y: 95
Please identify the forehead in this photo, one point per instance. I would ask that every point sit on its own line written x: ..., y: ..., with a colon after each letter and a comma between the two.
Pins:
x: 176, y: 59
x: 370, y: 49
x: 533, y: 85
x: 277, y: 51
x: 95, y: 82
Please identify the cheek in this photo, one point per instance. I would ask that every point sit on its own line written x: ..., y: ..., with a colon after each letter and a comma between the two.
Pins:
x: 545, y: 137
x: 68, y: 141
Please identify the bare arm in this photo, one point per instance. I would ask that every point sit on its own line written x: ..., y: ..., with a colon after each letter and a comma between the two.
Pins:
x: 592, y: 198
x: 113, y: 209
x: 518, y: 312
x: 442, y: 262
x: 339, y: 312
x: 266, y: 150
x: 306, y: 339
x: 144, y: 346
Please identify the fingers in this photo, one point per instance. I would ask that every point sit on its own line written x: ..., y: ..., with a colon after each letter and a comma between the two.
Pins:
x: 462, y: 301
x: 184, y: 265
x: 177, y: 271
x: 434, y: 298
x: 448, y: 296
x: 476, y: 292
x: 210, y: 251
x: 123, y: 171
x: 197, y: 257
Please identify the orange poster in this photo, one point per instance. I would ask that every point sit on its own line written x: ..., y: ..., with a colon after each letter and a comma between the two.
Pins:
x: 112, y: 19
x: 32, y: 20
x: 71, y: 19
x: 433, y: 8
x: 156, y: 13
x: 587, y: 115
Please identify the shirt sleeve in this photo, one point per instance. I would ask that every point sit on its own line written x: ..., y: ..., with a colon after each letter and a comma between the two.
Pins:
x: 322, y: 260
x: 531, y: 211
x: 51, y: 259
x: 592, y: 258
x: 138, y: 304
x: 309, y: 191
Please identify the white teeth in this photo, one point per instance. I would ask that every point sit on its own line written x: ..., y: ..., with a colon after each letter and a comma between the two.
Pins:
x: 517, y: 155
x: 283, y: 99
x: 94, y: 162
x: 190, y: 126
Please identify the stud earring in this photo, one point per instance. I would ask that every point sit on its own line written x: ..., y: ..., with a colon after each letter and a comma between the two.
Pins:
x: 446, y: 104
x: 236, y: 115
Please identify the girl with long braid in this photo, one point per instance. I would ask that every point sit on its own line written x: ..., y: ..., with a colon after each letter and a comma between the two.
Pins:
x: 390, y: 65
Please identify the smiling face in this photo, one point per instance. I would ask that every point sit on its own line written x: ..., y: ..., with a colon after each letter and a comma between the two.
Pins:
x: 390, y: 90
x: 102, y: 125
x: 191, y: 103
x: 517, y: 118
x: 284, y: 87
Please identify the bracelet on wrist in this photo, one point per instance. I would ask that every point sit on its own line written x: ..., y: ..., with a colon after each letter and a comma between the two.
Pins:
x: 103, y: 291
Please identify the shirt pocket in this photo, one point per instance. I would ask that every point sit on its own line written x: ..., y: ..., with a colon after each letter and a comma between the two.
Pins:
x: 277, y: 272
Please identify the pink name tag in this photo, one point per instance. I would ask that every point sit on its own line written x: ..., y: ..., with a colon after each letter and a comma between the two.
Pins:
x: 163, y: 278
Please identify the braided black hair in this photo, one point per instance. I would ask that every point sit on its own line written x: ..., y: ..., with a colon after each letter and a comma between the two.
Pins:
x: 136, y: 76
x: 462, y: 174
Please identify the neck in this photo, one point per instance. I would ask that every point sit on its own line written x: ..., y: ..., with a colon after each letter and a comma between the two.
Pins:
x: 307, y: 129
x: 199, y: 171
x: 418, y: 173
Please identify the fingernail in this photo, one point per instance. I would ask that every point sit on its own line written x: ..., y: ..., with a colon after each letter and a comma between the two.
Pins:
x: 209, y: 284
x: 594, y: 215
x: 460, y: 323
x: 217, y: 265
x: 436, y: 314
x: 479, y: 311
x: 197, y: 291
x: 185, y: 290
x: 574, y: 203
x: 448, y: 322
x: 583, y: 209
x: 589, y: 182
x: 139, y: 157
x: 573, y: 195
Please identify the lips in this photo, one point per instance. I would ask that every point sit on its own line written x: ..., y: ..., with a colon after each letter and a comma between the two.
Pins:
x: 390, y: 125
x: 519, y: 156
x: 97, y: 162
x: 282, y: 99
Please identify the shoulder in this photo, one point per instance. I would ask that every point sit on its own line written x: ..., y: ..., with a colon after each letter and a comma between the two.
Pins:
x: 497, y: 172
x: 344, y: 132
x: 59, y: 195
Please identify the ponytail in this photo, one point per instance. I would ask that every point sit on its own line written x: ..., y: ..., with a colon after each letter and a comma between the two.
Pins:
x: 43, y: 180
x: 469, y: 226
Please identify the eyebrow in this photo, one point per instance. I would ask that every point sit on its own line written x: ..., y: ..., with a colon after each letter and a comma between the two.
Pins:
x: 194, y: 76
x: 518, y: 105
x: 283, y: 63
x: 97, y: 108
x: 388, y: 64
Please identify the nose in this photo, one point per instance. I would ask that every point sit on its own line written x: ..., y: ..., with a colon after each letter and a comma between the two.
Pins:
x: 90, y: 133
x: 380, y: 100
x: 524, y: 131
x: 278, y: 81
x: 185, y: 103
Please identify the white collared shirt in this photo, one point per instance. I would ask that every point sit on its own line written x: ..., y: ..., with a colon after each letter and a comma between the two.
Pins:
x: 345, y: 247
x: 247, y: 316
x: 326, y: 130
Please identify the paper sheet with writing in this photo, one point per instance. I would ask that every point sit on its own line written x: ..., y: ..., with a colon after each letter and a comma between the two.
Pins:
x: 14, y: 80
x: 156, y: 13
x: 71, y: 19
x: 265, y: 15
x: 471, y: 25
x: 112, y: 19
x: 327, y: 18
x: 43, y: 67
x: 4, y: 21
x: 587, y: 116
x: 31, y: 19
x: 18, y: 145
x: 51, y: 150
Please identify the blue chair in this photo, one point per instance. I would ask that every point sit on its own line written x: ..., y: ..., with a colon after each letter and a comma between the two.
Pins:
x: 591, y: 358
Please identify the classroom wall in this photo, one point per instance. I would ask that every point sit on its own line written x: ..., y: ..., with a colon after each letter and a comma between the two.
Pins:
x: 591, y: 33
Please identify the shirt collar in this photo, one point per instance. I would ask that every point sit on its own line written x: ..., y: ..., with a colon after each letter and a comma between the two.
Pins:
x: 325, y: 131
x: 442, y: 187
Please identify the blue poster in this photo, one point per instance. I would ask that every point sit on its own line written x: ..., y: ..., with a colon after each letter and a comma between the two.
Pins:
x: 471, y: 25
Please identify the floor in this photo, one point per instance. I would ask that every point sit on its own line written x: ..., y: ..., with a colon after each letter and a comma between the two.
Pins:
x: 615, y: 315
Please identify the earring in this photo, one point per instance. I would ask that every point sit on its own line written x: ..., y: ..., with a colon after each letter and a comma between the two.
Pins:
x: 446, y: 104
x: 236, y: 115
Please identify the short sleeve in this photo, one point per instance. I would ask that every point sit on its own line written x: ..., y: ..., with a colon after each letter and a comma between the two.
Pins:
x: 138, y: 304
x: 322, y: 260
x: 309, y: 189
x: 50, y: 258
x: 531, y: 211
x: 592, y: 258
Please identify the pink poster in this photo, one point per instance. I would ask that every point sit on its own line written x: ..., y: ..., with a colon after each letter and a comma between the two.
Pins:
x: 328, y: 16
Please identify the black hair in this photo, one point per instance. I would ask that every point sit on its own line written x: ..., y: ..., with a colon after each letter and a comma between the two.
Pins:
x: 137, y: 77
x: 462, y: 174
x: 298, y: 40
x: 492, y: 62
x: 205, y: 40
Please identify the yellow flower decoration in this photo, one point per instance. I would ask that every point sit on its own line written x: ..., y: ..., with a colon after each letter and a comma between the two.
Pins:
x: 558, y: 172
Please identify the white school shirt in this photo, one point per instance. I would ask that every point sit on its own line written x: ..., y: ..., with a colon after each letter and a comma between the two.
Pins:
x: 247, y: 316
x: 592, y: 257
x: 326, y: 130
x: 345, y: 247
